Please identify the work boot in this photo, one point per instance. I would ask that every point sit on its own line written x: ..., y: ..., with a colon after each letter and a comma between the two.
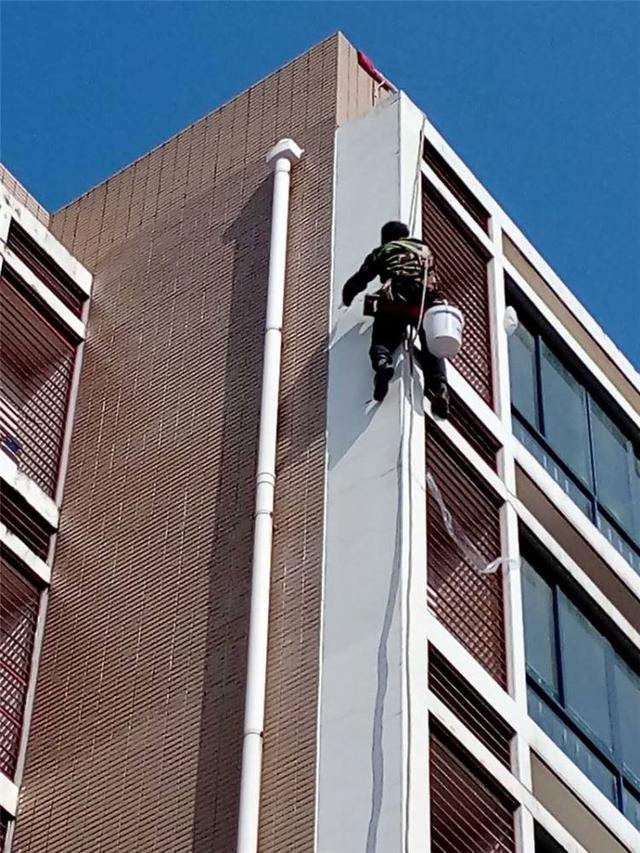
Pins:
x: 381, y: 381
x: 440, y: 401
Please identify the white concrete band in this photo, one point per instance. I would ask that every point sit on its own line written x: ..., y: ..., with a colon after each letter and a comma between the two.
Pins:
x: 8, y: 795
x: 18, y: 548
x: 28, y: 490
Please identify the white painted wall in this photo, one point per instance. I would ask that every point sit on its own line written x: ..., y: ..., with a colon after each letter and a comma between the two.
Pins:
x: 367, y: 783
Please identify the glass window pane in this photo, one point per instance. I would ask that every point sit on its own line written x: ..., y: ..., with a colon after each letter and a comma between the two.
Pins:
x: 635, y: 491
x: 632, y: 807
x: 538, y: 626
x: 551, y: 467
x: 572, y: 745
x: 545, y: 843
x: 522, y: 366
x: 565, y: 415
x: 584, y: 670
x: 613, y: 460
x: 622, y: 546
x: 628, y: 696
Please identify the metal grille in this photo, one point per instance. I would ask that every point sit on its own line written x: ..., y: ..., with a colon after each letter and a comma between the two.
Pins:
x: 456, y: 185
x: 469, y: 814
x: 467, y: 704
x: 35, y: 377
x: 19, y: 601
x: 468, y: 603
x: 473, y: 430
x: 20, y: 518
x: 47, y: 270
x: 462, y: 263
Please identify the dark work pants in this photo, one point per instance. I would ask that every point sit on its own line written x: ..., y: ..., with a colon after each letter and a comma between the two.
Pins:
x: 386, y: 337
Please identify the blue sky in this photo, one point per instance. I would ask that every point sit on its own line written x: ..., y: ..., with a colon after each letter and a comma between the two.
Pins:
x: 542, y: 100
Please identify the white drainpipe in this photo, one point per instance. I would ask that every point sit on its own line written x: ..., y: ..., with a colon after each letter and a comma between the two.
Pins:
x: 281, y: 155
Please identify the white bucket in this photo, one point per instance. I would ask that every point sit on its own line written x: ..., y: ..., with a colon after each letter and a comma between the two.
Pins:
x: 443, y: 328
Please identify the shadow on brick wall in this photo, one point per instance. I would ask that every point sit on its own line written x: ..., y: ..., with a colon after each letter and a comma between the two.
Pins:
x: 218, y: 778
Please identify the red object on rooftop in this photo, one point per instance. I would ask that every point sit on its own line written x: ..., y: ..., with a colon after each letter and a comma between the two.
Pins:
x: 367, y: 63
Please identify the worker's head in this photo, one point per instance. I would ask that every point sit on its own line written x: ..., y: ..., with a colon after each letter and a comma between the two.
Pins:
x: 393, y: 231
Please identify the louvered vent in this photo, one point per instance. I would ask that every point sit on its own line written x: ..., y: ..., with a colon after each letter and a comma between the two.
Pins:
x: 35, y: 378
x: 462, y: 264
x: 473, y: 430
x: 469, y: 813
x: 456, y: 186
x: 45, y: 268
x: 19, y: 602
x: 469, y: 706
x: 470, y: 604
x: 22, y: 520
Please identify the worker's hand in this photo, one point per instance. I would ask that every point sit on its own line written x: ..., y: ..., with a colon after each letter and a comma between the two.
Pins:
x: 433, y: 281
x: 347, y: 298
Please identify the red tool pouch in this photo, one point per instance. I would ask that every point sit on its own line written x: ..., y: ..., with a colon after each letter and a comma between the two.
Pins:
x: 374, y: 306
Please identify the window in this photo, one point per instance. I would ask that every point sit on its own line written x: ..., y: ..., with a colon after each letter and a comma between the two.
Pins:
x: 36, y: 370
x: 462, y: 263
x: 632, y: 807
x: 582, y: 691
x: 19, y: 605
x: 584, y: 670
x: 22, y: 520
x: 539, y: 636
x: 627, y: 687
x: 524, y: 391
x: 470, y: 813
x: 545, y: 843
x: 456, y: 185
x: 45, y: 268
x: 469, y: 603
x: 564, y: 406
x: 469, y: 706
x: 590, y: 457
x: 615, y: 468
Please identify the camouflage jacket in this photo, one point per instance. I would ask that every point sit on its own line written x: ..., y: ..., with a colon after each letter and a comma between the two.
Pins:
x: 400, y: 265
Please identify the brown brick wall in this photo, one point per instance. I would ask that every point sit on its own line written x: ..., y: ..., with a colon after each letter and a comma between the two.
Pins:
x: 136, y: 738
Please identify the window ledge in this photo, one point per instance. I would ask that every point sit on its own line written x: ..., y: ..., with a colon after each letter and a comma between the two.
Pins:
x: 29, y: 491
x: 591, y: 797
x: 8, y: 795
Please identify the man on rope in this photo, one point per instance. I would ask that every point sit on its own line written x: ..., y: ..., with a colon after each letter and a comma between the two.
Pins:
x: 406, y: 268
